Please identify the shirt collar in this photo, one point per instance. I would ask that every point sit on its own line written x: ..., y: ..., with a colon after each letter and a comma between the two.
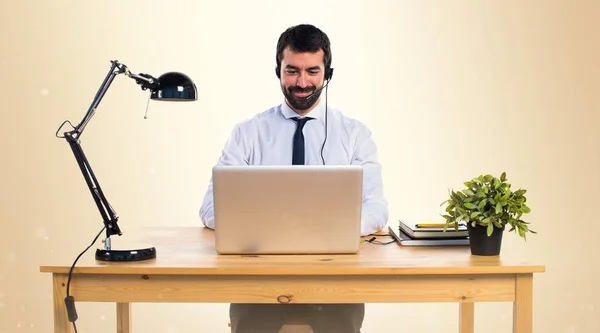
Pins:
x: 316, y: 113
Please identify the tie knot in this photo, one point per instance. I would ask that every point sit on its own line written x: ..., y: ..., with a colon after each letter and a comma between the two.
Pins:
x: 301, y: 121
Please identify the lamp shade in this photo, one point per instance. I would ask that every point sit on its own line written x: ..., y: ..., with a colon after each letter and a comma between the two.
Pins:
x: 175, y: 86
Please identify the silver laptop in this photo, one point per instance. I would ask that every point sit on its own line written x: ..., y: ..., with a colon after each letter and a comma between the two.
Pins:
x: 287, y: 209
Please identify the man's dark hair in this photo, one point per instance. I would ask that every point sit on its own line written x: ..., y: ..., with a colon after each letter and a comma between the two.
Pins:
x: 304, y: 38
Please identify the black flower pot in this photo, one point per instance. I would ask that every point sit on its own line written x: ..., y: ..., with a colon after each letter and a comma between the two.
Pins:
x: 482, y: 244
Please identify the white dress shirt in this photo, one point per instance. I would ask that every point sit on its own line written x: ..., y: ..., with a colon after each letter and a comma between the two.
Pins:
x: 267, y: 138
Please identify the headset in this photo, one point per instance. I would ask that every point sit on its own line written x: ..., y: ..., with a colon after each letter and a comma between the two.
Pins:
x: 328, y: 76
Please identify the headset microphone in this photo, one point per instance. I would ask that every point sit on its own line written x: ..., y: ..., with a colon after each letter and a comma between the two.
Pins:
x: 309, y: 97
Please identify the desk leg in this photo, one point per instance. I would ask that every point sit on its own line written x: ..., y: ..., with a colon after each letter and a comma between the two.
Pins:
x: 59, y: 290
x: 123, y: 317
x: 466, y: 319
x: 523, y: 305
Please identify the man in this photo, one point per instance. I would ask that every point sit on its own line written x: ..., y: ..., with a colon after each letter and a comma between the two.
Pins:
x: 275, y: 136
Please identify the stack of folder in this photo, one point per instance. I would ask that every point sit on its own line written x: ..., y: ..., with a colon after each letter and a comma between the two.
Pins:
x: 429, y: 234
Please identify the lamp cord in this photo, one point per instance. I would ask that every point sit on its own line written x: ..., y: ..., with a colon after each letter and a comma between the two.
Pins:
x: 61, y: 126
x: 69, y: 300
x: 374, y: 240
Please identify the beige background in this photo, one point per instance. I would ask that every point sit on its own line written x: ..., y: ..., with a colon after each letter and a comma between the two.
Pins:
x: 451, y: 89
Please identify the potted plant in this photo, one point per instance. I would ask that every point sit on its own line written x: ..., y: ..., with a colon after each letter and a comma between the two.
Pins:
x: 487, y: 205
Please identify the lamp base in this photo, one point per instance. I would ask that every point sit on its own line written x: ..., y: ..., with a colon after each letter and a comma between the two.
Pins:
x: 126, y: 255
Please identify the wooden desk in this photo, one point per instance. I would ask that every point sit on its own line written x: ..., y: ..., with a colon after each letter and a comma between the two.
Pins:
x: 187, y: 269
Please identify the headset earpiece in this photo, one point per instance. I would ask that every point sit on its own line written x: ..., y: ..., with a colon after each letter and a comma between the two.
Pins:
x: 328, y: 74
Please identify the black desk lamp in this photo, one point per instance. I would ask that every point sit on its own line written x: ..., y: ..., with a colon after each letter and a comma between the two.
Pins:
x: 172, y: 86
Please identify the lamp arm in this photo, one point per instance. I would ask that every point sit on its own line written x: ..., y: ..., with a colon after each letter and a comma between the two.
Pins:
x: 109, y: 216
x: 78, y: 130
x: 146, y: 81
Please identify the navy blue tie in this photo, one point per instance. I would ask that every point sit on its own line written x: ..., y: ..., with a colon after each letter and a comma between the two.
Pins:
x: 298, y: 154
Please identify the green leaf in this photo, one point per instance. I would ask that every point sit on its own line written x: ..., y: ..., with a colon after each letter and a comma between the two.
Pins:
x: 490, y: 229
x: 469, y: 205
x: 468, y: 192
x: 475, y: 214
x: 525, y: 209
x: 503, y: 177
x: 496, y: 183
x: 482, y: 203
x: 498, y: 208
x: 455, y: 197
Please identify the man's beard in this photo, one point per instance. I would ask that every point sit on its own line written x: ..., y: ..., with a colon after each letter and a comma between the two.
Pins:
x: 301, y: 103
